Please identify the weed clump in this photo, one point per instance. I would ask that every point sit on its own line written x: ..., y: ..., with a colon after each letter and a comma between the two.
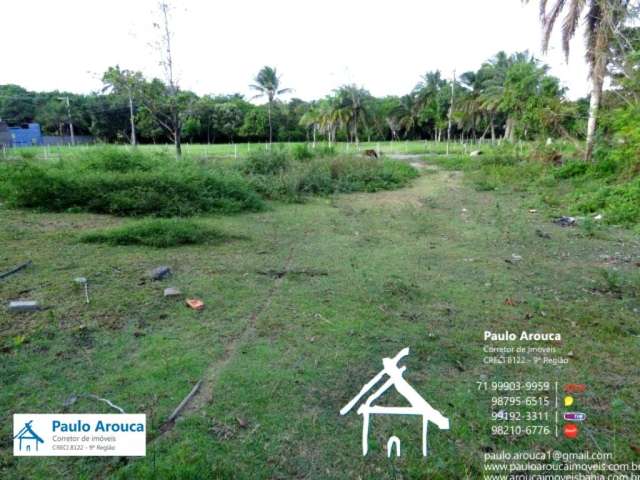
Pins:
x: 326, y: 176
x: 126, y: 183
x: 156, y: 232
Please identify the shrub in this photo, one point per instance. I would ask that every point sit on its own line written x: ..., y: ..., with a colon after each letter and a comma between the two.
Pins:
x: 571, y: 169
x: 130, y: 184
x: 324, y: 151
x: 268, y: 162
x: 114, y: 159
x: 301, y: 152
x: 620, y: 204
x: 325, y: 176
x: 155, y: 232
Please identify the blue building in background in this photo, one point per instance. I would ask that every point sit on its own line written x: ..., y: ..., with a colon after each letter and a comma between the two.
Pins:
x: 26, y: 135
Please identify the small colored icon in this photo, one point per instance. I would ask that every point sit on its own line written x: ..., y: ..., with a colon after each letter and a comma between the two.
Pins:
x: 575, y: 388
x: 568, y: 401
x: 570, y: 430
x: 575, y: 416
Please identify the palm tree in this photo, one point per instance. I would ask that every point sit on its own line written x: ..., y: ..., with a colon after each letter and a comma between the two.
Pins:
x: 353, y: 101
x: 268, y: 85
x: 432, y: 98
x: 603, y: 19
x: 311, y: 119
x: 408, y: 113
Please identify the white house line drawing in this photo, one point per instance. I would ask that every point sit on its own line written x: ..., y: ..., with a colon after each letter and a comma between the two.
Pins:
x: 393, y: 441
x: 418, y: 405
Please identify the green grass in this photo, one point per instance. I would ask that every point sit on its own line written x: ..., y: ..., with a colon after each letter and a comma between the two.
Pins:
x: 370, y: 274
x: 277, y: 177
x: 609, y: 186
x: 221, y: 152
x: 159, y: 233
x: 121, y: 182
x: 132, y: 182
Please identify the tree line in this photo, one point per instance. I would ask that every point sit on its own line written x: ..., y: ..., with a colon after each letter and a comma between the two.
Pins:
x: 511, y: 97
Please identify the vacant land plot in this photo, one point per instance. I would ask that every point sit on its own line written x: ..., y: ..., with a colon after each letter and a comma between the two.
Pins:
x: 302, y: 303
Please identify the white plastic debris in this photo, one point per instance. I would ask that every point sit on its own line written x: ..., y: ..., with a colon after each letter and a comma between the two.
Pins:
x: 23, y: 306
x: 172, y: 292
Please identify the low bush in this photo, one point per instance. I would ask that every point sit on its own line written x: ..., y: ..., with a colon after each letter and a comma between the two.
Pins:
x: 130, y: 182
x: 126, y: 183
x: 301, y: 152
x: 325, y: 176
x: 156, y: 232
x: 619, y: 204
x: 267, y: 162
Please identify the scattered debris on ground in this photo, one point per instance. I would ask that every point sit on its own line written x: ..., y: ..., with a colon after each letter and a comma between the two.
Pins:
x: 221, y: 431
x: 172, y: 292
x: 542, y: 234
x: 74, y: 398
x: 514, y: 259
x: 180, y: 407
x: 566, y: 221
x: 160, y: 272
x: 616, y: 258
x: 195, y: 303
x: 242, y: 422
x: 19, y: 306
x: 83, y: 281
x: 15, y: 269
x: 281, y: 273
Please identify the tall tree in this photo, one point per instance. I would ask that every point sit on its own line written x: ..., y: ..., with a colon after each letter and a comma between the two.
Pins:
x: 168, y: 106
x: 354, y: 104
x: 603, y: 20
x: 127, y: 83
x: 268, y: 85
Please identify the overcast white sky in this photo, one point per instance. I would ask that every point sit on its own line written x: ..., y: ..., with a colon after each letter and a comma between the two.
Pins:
x: 220, y: 45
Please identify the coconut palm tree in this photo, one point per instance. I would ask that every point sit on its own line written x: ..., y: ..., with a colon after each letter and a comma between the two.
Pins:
x: 268, y: 85
x: 408, y: 113
x: 603, y: 20
x: 353, y: 101
x: 311, y: 119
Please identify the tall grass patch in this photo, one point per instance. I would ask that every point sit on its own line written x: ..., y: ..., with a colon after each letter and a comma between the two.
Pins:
x: 157, y: 232
x: 126, y: 182
x: 294, y: 180
x: 610, y: 185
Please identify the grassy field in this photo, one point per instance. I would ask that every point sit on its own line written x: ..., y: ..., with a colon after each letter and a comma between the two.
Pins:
x: 302, y: 303
x: 203, y: 151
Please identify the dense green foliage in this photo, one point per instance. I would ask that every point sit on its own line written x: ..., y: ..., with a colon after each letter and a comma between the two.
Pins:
x: 278, y: 175
x: 131, y: 182
x: 156, y: 232
x: 609, y: 186
x: 507, y: 91
x: 121, y: 182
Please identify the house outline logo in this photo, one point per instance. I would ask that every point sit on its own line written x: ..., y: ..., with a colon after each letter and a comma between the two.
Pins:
x: 418, y: 405
x: 26, y: 434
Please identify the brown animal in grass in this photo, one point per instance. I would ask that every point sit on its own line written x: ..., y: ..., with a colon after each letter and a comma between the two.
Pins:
x: 370, y: 154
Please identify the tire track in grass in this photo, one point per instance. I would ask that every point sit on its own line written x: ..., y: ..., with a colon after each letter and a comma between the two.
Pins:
x: 204, y: 395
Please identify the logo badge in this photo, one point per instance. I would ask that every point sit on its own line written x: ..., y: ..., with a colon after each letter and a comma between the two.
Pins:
x: 391, y: 376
